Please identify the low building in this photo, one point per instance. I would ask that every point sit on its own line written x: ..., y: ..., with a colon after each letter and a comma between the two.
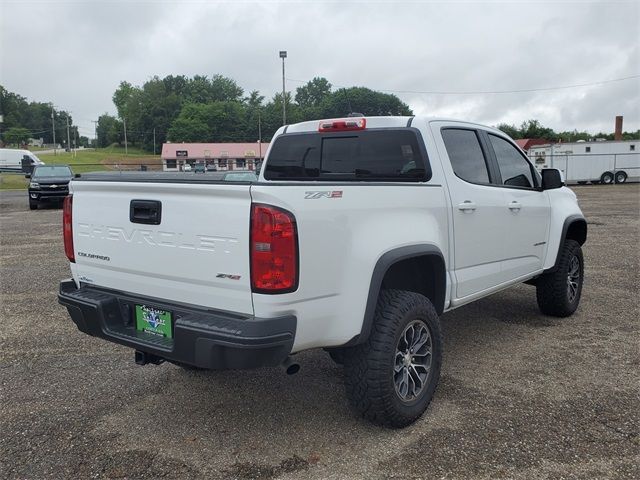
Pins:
x: 215, y: 156
x: 526, y: 143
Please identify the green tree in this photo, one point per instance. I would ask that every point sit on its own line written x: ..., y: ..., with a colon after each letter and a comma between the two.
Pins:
x: 533, y: 129
x: 510, y: 130
x: 16, y: 136
x: 109, y: 130
x: 212, y: 122
x: 362, y: 100
x: 313, y: 93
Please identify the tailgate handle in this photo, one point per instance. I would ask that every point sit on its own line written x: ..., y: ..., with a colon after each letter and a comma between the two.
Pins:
x: 148, y: 212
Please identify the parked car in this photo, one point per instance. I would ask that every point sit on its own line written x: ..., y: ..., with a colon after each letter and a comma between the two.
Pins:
x: 199, y: 168
x: 186, y: 167
x: 18, y: 161
x: 358, y: 235
x: 48, y: 183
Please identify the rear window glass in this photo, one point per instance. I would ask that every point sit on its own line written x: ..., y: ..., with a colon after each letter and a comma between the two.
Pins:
x: 383, y: 155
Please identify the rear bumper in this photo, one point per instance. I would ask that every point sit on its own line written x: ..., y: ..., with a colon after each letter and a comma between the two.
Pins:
x: 201, y: 337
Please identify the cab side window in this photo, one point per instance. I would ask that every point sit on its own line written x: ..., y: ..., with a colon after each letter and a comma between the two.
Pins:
x: 514, y: 168
x: 466, y: 155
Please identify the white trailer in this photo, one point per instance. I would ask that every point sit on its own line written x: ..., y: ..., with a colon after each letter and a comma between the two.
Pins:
x: 596, y: 162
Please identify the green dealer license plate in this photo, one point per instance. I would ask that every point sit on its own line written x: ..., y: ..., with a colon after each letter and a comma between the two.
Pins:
x: 154, y: 321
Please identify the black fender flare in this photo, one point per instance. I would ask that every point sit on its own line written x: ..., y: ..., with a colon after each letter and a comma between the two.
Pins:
x: 568, y: 222
x: 381, y: 268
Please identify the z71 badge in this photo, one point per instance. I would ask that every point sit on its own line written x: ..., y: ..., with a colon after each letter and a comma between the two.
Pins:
x: 323, y: 194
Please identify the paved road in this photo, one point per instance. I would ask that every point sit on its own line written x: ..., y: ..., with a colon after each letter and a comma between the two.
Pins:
x: 522, y: 396
x: 58, y: 151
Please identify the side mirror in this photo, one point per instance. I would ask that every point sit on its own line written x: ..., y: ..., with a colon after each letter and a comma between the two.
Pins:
x: 28, y: 175
x: 552, y: 178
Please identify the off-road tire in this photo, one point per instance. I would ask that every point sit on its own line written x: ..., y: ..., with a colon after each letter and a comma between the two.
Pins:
x: 552, y: 289
x: 369, y: 367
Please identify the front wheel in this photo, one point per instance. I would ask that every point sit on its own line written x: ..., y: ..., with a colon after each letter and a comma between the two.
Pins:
x: 391, y: 378
x: 558, y: 292
x: 33, y: 206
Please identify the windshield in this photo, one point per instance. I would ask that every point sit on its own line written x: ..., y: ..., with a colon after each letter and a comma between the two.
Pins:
x: 57, y: 171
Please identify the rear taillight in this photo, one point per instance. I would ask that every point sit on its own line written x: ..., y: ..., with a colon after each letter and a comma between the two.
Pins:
x: 274, y: 250
x: 342, y: 125
x: 67, y: 227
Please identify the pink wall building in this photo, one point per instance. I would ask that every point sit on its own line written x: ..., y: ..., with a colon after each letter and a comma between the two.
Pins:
x: 218, y: 156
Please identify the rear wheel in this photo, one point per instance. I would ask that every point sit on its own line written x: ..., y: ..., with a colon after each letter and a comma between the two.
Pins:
x: 621, y: 177
x: 606, y: 178
x: 558, y: 292
x: 391, y: 378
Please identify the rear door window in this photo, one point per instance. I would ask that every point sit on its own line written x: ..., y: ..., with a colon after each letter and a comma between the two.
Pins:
x: 466, y: 155
x: 369, y: 155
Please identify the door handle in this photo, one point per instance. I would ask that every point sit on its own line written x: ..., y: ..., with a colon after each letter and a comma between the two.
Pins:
x: 148, y: 212
x: 467, y: 206
x: 515, y: 206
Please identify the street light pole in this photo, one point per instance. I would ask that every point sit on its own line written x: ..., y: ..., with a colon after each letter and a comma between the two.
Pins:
x: 283, y: 55
x: 259, y: 137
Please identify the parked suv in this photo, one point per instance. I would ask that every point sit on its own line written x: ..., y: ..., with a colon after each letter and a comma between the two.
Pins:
x: 48, y: 183
x: 358, y: 234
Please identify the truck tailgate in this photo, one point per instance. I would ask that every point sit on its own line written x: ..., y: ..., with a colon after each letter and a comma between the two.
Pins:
x: 198, y: 253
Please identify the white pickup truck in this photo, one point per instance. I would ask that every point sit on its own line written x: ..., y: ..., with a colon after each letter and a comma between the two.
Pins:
x: 357, y: 235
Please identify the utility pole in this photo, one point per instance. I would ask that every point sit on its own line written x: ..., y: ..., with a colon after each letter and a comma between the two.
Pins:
x: 68, y: 136
x: 124, y: 121
x: 53, y: 130
x: 259, y: 137
x: 95, y: 126
x: 154, y: 140
x: 283, y: 55
x: 75, y: 142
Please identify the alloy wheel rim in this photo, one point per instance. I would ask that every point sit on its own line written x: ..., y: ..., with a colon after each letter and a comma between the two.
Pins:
x: 573, y: 278
x: 412, y: 366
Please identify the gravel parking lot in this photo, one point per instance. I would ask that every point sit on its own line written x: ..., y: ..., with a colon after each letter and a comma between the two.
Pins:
x: 521, y: 396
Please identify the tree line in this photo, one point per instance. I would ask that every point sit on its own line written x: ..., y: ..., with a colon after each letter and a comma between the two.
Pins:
x: 22, y: 120
x: 216, y: 109
x: 533, y: 129
x: 178, y: 108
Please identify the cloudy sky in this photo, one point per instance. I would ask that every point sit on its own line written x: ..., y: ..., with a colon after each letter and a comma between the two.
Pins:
x: 75, y: 53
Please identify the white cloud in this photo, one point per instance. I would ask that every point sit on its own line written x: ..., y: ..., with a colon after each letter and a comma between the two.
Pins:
x: 75, y: 53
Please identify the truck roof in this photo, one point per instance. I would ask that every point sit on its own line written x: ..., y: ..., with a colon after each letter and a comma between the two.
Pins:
x: 379, y: 122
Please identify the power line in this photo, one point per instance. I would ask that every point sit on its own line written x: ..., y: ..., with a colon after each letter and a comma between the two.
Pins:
x: 492, y: 92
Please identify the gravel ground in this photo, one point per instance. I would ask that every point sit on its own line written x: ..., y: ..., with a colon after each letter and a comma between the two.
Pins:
x: 522, y: 396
